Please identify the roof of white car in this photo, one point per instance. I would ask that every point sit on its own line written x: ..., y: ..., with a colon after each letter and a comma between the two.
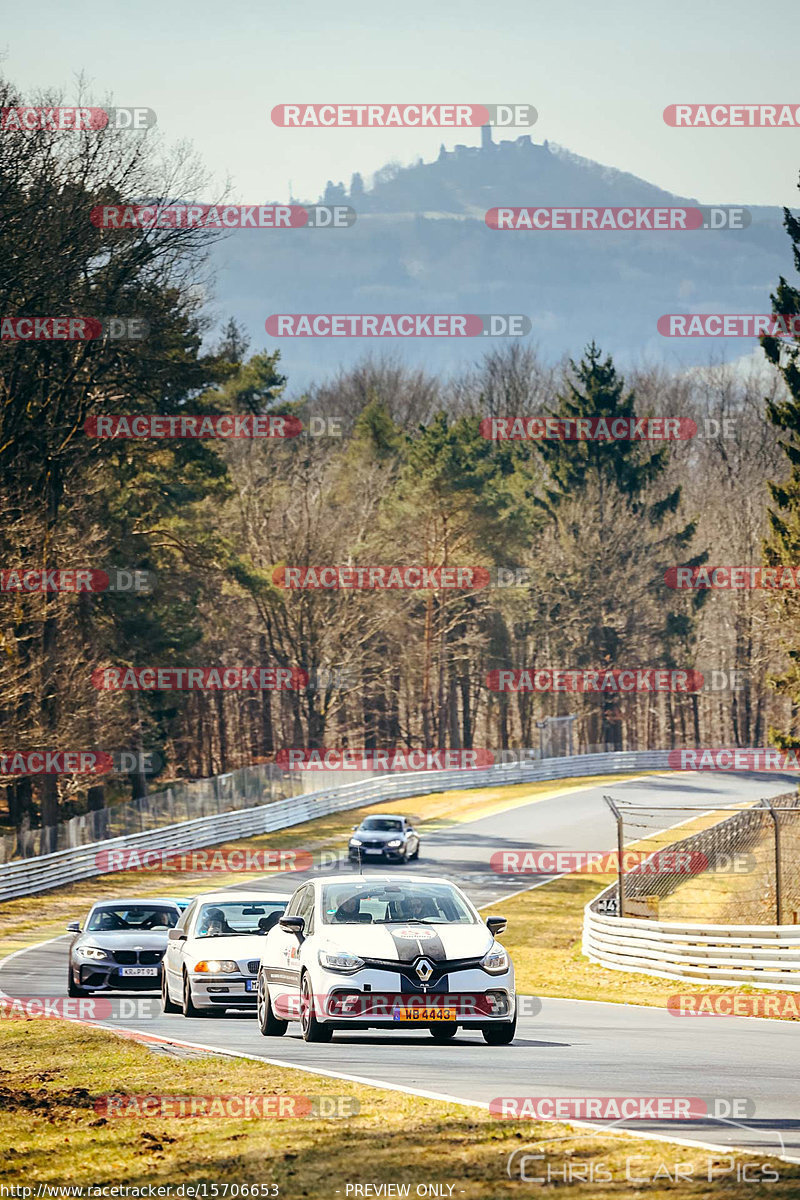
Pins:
x: 128, y: 900
x: 243, y: 897
x: 382, y: 877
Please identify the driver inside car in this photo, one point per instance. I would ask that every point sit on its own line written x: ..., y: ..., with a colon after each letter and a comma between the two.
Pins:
x: 215, y: 924
x: 109, y: 920
x: 348, y: 910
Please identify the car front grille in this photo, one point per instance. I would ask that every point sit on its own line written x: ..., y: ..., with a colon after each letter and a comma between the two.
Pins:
x: 373, y: 845
x: 149, y: 958
x: 146, y: 958
x: 253, y: 965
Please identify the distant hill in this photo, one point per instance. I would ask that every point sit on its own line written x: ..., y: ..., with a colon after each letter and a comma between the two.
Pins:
x: 421, y: 244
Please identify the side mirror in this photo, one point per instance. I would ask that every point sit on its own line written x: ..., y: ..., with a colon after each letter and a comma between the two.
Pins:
x: 294, y: 925
x: 496, y: 925
x: 355, y: 827
x: 74, y: 927
x: 177, y: 935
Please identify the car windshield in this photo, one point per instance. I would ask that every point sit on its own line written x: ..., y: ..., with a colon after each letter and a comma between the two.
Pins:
x: 114, y: 917
x: 229, y: 919
x: 358, y: 903
x: 381, y: 825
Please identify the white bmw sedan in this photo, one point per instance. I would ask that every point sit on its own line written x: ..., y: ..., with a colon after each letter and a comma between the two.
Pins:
x: 214, y: 951
x: 367, y: 951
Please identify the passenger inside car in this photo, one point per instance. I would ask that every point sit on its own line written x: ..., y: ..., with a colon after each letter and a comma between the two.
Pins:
x: 419, y: 908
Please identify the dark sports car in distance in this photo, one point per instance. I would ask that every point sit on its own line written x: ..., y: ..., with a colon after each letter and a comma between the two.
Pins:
x: 384, y: 839
x: 120, y: 946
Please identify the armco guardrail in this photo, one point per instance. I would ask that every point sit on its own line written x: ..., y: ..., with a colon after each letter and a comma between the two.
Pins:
x: 30, y: 875
x: 760, y: 955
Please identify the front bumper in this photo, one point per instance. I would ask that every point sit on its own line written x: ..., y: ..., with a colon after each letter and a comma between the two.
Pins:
x: 372, y: 856
x: 369, y: 998
x: 99, y: 976
x: 231, y: 991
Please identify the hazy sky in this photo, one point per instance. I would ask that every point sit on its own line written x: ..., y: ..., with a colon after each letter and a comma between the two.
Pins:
x: 599, y: 74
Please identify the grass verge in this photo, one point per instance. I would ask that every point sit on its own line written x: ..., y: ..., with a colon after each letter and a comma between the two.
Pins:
x: 53, y: 1072
x: 544, y: 940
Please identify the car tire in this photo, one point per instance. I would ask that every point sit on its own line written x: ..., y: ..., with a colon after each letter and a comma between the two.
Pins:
x: 313, y: 1030
x: 444, y: 1032
x: 189, y: 1008
x: 268, y: 1023
x: 501, y: 1034
x: 72, y: 987
x: 167, y: 1005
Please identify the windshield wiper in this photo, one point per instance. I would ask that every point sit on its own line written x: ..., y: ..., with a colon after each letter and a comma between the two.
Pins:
x: 408, y: 921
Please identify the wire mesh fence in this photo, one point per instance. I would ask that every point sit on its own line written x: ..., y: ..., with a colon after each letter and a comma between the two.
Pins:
x: 241, y: 789
x: 735, y: 865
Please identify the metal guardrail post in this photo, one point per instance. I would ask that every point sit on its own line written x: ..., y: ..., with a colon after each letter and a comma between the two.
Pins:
x: 620, y: 867
x: 778, y: 871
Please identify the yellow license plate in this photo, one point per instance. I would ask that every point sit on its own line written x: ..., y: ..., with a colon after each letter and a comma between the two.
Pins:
x: 417, y: 1013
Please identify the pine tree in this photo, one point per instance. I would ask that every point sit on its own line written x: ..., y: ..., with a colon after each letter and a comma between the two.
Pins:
x: 782, y: 546
x: 613, y: 533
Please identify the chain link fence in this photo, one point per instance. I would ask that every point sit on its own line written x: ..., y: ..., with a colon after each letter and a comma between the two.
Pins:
x: 233, y: 792
x: 737, y: 865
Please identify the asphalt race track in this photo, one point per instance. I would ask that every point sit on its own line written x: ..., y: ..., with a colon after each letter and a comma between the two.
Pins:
x: 568, y: 1047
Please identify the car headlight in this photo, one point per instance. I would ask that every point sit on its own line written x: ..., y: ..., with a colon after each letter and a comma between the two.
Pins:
x: 92, y: 952
x: 355, y: 841
x: 217, y: 966
x: 340, y: 960
x: 495, y: 961
x: 395, y: 842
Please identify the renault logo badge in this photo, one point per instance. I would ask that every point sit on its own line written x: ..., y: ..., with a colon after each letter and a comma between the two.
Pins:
x: 424, y: 970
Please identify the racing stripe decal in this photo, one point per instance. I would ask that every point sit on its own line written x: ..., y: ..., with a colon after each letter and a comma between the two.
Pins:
x: 415, y: 941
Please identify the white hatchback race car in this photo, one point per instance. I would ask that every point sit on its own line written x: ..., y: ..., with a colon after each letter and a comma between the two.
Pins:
x: 367, y: 951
